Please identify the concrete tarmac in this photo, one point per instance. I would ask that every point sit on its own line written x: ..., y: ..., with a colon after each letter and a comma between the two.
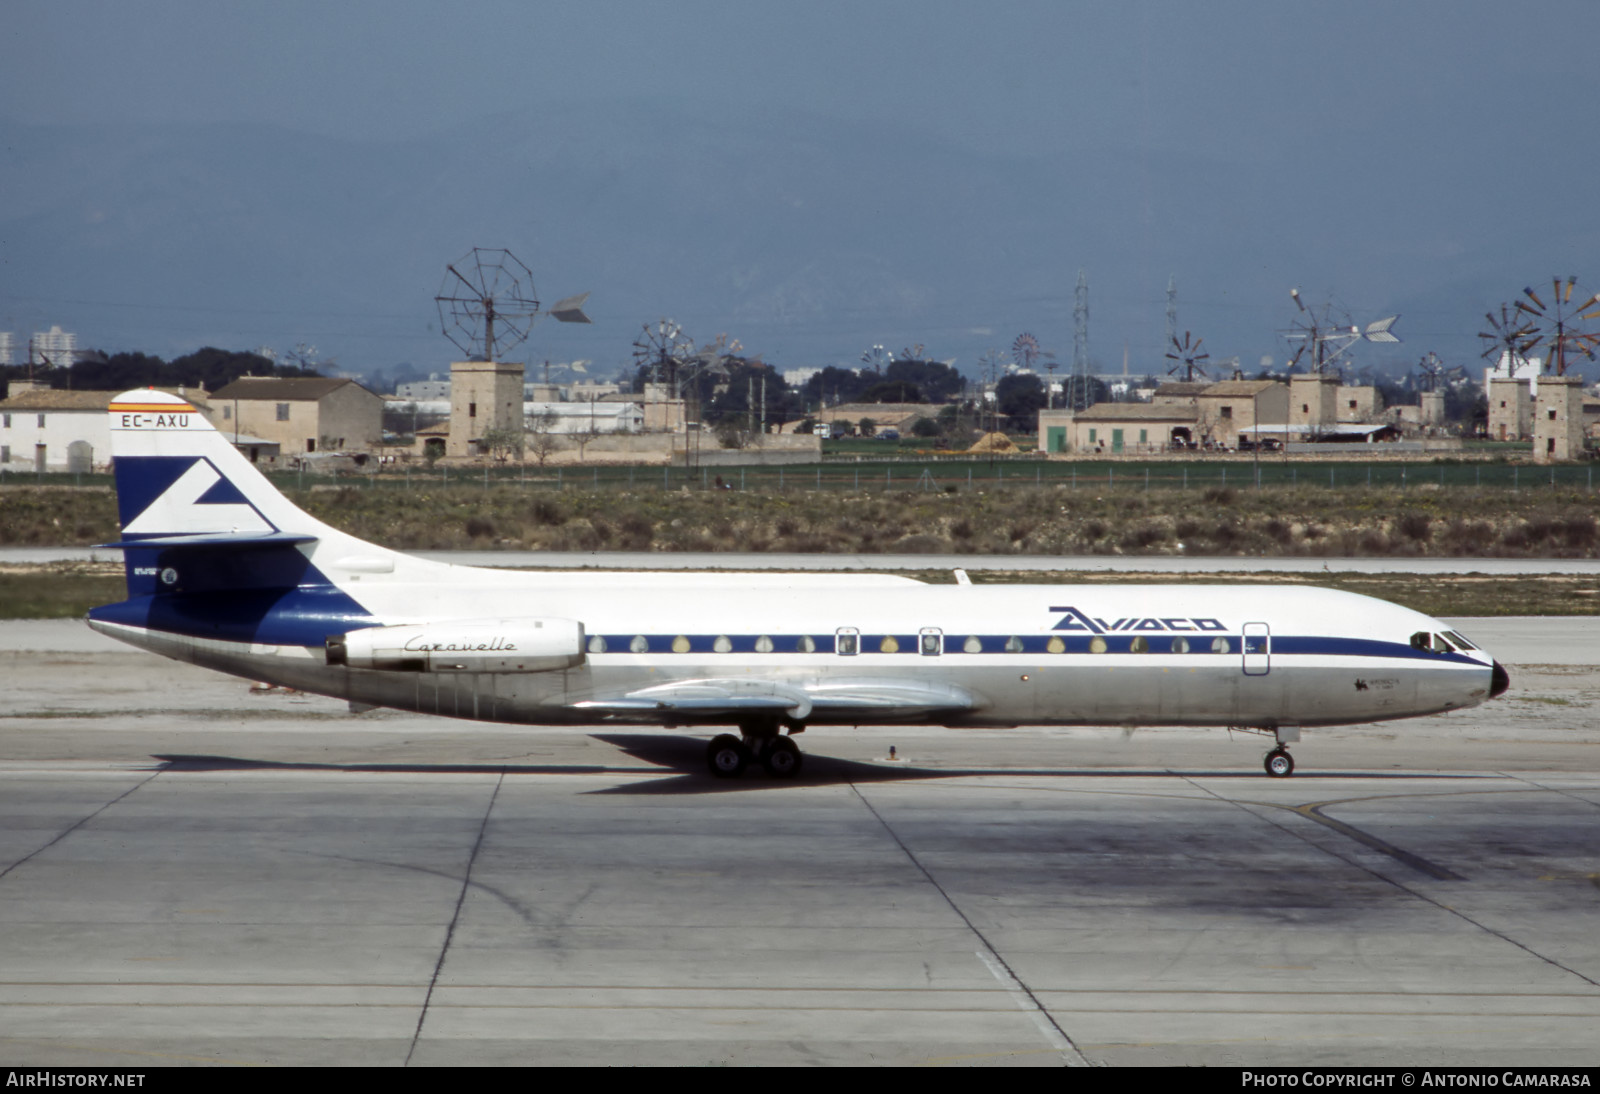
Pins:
x: 191, y: 872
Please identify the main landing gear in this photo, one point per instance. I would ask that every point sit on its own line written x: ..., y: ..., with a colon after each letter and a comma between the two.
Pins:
x: 727, y: 756
x: 1279, y: 764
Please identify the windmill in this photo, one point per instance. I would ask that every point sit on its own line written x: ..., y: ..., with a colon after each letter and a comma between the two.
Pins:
x: 1557, y: 324
x: 663, y: 349
x: 1328, y: 340
x: 1509, y: 338
x: 877, y: 359
x: 1187, y: 356
x: 1433, y: 373
x: 1025, y: 352
x: 487, y: 304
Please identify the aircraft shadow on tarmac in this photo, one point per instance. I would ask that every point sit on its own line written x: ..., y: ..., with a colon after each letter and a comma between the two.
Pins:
x: 674, y: 764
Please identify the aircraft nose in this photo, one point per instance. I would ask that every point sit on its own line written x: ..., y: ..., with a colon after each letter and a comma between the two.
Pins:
x: 1499, y: 682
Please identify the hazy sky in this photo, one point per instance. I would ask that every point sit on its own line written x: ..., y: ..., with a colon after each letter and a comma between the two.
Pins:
x: 1485, y: 107
x: 1186, y: 76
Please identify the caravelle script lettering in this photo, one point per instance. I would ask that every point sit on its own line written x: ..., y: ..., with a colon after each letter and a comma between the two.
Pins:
x: 421, y: 644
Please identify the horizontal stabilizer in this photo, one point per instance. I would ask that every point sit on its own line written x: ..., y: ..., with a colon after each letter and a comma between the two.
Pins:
x: 216, y: 539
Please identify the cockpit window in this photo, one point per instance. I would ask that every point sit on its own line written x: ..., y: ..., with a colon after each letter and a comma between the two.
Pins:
x: 1431, y: 643
x: 1460, y: 642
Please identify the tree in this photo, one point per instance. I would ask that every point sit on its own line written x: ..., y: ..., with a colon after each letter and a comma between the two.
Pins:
x: 541, y: 437
x: 209, y: 367
x: 834, y: 385
x: 502, y: 443
x: 935, y: 381
x: 1019, y: 398
x: 893, y: 391
x: 867, y: 427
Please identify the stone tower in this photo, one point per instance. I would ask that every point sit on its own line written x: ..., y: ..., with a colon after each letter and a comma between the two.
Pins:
x: 484, y: 396
x: 1510, y: 410
x: 1558, y: 418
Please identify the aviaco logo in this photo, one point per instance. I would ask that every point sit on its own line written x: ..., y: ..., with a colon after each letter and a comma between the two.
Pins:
x: 197, y: 500
x: 1075, y: 620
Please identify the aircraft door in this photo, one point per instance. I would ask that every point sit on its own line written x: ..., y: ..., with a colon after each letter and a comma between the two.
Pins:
x: 930, y: 642
x: 1257, y: 649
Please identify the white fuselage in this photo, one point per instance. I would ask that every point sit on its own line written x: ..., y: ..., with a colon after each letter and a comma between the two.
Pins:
x: 1100, y: 654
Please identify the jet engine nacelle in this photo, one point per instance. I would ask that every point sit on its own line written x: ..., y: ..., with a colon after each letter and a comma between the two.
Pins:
x: 495, y: 645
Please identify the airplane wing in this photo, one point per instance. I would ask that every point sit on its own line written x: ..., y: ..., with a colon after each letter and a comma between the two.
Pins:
x: 706, y: 699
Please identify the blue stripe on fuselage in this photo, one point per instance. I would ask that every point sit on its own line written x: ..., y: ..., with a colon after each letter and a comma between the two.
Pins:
x: 1200, y: 645
x: 301, y: 616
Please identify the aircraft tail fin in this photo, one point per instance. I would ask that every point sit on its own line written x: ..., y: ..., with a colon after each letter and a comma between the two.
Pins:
x: 196, y: 516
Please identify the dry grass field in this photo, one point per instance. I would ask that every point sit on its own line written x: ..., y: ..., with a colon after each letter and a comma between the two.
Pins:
x: 1423, y: 520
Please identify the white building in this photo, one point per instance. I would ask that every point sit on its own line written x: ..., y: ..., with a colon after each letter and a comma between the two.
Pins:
x: 8, y: 348
x: 588, y: 417
x: 42, y: 429
x: 1519, y: 368
x: 598, y: 416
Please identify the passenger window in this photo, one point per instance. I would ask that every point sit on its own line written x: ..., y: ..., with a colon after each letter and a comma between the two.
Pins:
x: 1219, y: 645
x: 597, y: 644
x: 1055, y: 645
x: 1097, y: 644
x: 930, y: 645
x: 1140, y: 644
x: 723, y: 644
x: 680, y: 644
x: 1013, y: 644
x: 806, y: 644
x: 973, y: 644
x: 764, y: 644
x: 640, y: 644
x: 1180, y: 645
x: 845, y: 643
x: 889, y: 644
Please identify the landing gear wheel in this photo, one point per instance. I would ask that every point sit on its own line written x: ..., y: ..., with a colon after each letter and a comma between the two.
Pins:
x: 781, y: 758
x: 727, y: 756
x: 1279, y: 764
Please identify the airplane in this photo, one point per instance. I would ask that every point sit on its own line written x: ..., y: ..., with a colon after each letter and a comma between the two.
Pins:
x: 225, y: 572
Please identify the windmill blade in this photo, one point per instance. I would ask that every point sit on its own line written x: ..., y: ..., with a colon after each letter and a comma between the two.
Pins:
x: 1530, y: 293
x: 569, y: 309
x: 1379, y: 331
